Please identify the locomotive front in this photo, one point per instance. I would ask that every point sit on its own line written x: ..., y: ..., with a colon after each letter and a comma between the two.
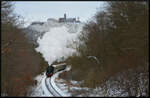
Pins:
x: 49, y: 71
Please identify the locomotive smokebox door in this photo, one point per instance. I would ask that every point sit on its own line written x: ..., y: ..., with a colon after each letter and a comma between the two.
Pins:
x: 49, y: 70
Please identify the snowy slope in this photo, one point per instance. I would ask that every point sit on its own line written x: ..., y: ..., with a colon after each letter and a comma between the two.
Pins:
x: 124, y: 84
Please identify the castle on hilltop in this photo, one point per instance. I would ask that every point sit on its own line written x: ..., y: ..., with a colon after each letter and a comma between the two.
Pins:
x: 60, y: 20
x: 65, y: 19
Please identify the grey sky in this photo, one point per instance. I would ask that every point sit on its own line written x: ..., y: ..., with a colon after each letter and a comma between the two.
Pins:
x: 42, y: 10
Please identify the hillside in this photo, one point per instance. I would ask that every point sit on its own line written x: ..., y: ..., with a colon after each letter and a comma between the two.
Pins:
x: 20, y: 62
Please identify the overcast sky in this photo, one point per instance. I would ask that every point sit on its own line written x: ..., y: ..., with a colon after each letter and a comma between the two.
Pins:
x: 42, y: 10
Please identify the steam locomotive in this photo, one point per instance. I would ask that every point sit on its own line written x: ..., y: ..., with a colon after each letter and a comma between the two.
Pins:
x: 54, y: 68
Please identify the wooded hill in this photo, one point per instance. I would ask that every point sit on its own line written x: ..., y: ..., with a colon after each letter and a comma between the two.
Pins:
x: 118, y: 38
x: 20, y: 62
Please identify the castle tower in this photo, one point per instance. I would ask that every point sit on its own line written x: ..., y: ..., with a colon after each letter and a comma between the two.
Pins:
x: 78, y: 19
x: 65, y: 16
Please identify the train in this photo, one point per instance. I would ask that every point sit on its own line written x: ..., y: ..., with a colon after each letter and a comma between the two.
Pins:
x: 55, y: 68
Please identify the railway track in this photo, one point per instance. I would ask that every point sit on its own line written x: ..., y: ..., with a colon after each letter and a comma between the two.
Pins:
x: 51, y: 89
x: 54, y: 88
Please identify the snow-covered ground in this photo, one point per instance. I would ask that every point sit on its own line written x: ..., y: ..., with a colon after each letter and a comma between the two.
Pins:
x: 64, y: 94
x: 124, y: 84
x: 41, y: 90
